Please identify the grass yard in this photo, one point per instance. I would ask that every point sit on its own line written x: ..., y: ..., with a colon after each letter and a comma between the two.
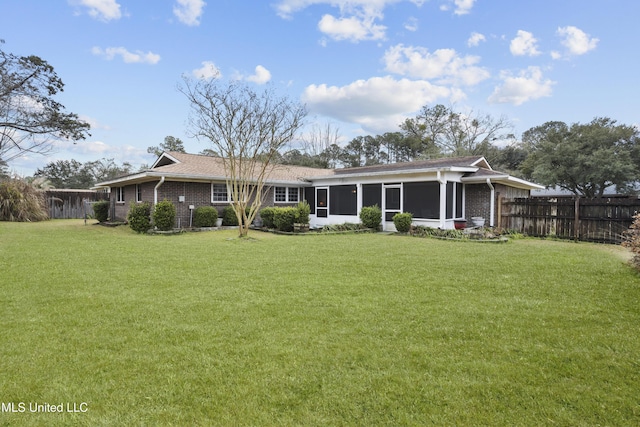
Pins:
x: 326, y: 330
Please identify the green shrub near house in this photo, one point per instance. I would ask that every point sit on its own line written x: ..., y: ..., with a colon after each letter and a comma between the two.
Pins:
x: 164, y: 215
x: 101, y: 210
x: 205, y: 216
x: 267, y: 216
x: 371, y: 217
x: 284, y: 218
x: 139, y: 217
x: 402, y: 221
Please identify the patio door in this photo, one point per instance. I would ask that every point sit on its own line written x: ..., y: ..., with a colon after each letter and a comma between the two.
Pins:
x: 322, y: 202
x: 392, y: 201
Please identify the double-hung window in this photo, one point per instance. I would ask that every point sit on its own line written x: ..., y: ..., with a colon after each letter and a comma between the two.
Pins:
x: 138, y: 192
x: 286, y: 194
x: 219, y: 193
x: 120, y: 194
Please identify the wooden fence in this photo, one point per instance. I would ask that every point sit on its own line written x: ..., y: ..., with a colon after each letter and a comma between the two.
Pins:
x: 69, y: 204
x: 595, y: 220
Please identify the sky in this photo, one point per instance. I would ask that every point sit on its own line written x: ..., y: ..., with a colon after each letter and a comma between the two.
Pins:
x: 362, y: 66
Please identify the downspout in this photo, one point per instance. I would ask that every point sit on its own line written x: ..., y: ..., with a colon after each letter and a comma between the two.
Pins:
x: 155, y: 190
x: 492, y: 203
x: 443, y: 199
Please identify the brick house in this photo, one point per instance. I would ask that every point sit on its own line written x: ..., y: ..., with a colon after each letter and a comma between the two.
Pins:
x: 437, y: 192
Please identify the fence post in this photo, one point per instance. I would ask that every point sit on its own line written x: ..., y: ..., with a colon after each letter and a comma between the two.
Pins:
x: 576, y: 220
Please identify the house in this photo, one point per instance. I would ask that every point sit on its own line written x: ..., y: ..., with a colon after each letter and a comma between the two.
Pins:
x: 437, y: 192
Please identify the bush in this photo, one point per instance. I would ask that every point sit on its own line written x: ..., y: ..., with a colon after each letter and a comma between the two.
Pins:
x: 402, y: 221
x: 139, y: 217
x: 101, y: 210
x: 229, y: 216
x: 371, y: 217
x: 205, y: 216
x: 164, y: 215
x: 304, y: 210
x: 267, y: 216
x: 284, y: 218
x: 632, y: 240
x: 20, y: 202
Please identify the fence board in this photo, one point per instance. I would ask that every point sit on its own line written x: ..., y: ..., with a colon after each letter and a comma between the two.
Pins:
x: 598, y: 220
x: 72, y: 204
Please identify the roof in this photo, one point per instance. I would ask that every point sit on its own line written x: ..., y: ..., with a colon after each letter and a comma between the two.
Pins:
x: 199, y: 168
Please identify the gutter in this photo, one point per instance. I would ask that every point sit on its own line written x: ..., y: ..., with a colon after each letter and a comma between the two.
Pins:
x: 493, y: 202
x: 155, y: 190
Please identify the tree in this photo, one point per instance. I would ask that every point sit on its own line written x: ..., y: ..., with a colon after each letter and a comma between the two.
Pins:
x: 30, y: 119
x: 247, y: 129
x: 317, y: 142
x: 170, y: 144
x: 440, y: 130
x: 67, y: 174
x: 583, y: 158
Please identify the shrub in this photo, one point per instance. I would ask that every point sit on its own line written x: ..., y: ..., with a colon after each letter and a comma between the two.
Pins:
x: 402, y: 221
x: 371, y: 217
x: 139, y: 217
x: 283, y: 218
x: 205, y: 216
x: 632, y: 240
x: 101, y: 210
x: 20, y: 202
x: 304, y: 210
x: 164, y: 215
x: 229, y: 216
x: 267, y: 216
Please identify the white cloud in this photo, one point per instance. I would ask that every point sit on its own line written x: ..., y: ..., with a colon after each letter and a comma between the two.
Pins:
x: 576, y: 41
x: 528, y: 85
x: 209, y: 70
x: 189, y: 11
x: 104, y: 10
x: 353, y: 28
x: 444, y: 65
x: 462, y: 7
x: 524, y: 44
x: 128, y: 57
x: 411, y: 24
x: 261, y: 76
x: 475, y: 39
x: 378, y: 104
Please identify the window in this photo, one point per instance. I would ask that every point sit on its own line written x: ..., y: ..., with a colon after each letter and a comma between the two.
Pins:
x: 310, y: 197
x: 219, y: 193
x: 343, y: 200
x: 459, y: 213
x: 138, y: 193
x: 120, y: 194
x: 372, y: 195
x: 286, y: 195
x: 422, y: 199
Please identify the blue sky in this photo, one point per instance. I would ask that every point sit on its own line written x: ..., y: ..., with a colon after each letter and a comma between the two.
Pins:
x: 362, y: 65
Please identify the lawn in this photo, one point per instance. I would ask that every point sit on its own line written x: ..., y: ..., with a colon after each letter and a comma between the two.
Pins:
x: 207, y: 329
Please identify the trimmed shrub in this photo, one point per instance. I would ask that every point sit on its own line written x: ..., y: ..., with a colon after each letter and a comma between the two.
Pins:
x: 304, y: 210
x: 101, y: 210
x: 229, y: 216
x: 371, y: 217
x: 20, y: 202
x: 267, y: 216
x: 205, y: 216
x: 632, y: 240
x: 284, y: 218
x: 164, y: 215
x: 139, y: 217
x: 402, y: 221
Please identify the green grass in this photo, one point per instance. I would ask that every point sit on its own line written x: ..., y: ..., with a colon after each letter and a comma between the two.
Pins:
x: 207, y: 329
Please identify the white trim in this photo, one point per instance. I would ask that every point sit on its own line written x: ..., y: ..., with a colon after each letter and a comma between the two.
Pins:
x: 120, y: 195
x: 287, y: 193
x: 228, y: 200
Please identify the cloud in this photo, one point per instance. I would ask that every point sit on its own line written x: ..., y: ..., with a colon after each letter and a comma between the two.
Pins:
x: 128, y: 57
x: 528, y: 85
x: 261, y: 76
x: 462, y: 7
x: 378, y: 104
x: 444, y: 65
x: 209, y: 70
x: 353, y: 28
x: 475, y: 39
x: 524, y: 44
x: 104, y: 10
x: 411, y: 24
x: 576, y: 41
x: 189, y: 11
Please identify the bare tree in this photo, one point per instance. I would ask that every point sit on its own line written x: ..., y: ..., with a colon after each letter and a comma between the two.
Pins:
x: 247, y: 129
x: 319, y: 138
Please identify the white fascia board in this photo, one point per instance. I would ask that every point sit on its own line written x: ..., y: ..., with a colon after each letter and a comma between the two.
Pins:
x: 397, y: 172
x: 163, y: 155
x: 504, y: 179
